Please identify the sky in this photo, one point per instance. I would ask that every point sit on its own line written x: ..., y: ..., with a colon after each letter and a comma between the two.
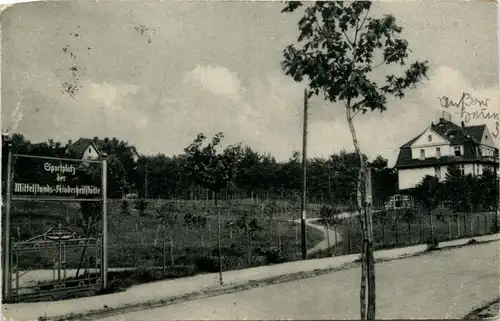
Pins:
x: 157, y: 73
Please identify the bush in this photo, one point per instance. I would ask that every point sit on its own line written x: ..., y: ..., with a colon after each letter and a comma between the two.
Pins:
x: 141, y: 206
x: 409, y: 214
x: 432, y: 244
x: 208, y: 264
x: 124, y: 207
x: 274, y: 256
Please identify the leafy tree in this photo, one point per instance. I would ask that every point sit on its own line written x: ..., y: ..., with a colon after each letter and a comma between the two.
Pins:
x: 489, y: 186
x: 336, y: 50
x: 212, y: 168
x: 250, y: 174
x: 429, y: 193
x: 330, y: 214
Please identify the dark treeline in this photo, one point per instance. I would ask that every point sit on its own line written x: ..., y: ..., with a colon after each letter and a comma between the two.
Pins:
x: 330, y: 180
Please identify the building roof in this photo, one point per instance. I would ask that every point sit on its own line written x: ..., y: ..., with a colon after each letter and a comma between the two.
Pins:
x: 81, y: 145
x: 476, y: 131
x: 456, y: 135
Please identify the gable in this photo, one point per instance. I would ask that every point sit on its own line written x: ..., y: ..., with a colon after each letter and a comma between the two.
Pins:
x: 85, y: 147
x: 435, y: 139
x: 487, y: 139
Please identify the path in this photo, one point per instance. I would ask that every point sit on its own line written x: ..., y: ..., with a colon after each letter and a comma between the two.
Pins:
x: 330, y: 238
x: 441, y: 285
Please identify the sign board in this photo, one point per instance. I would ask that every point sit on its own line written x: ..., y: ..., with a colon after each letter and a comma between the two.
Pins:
x: 40, y: 178
x: 36, y: 177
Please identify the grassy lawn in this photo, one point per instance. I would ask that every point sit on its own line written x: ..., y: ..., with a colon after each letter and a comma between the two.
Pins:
x: 140, y: 240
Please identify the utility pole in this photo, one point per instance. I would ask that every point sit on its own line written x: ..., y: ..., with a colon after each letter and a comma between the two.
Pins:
x: 497, y: 197
x: 304, y: 179
x: 145, y: 179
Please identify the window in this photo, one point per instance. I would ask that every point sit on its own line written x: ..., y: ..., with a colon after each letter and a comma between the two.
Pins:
x: 485, y: 137
x: 462, y: 169
x: 458, y: 152
x: 90, y: 150
x: 429, y: 138
x: 438, y: 152
x: 422, y: 153
x: 437, y: 172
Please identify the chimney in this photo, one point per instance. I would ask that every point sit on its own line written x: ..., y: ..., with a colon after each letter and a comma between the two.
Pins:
x: 463, y: 124
x: 70, y: 142
x: 441, y: 120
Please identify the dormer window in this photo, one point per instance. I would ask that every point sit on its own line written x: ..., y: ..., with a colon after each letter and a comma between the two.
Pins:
x: 457, y: 150
x: 429, y: 138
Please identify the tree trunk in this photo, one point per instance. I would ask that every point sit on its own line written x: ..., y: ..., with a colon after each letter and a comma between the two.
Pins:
x: 367, y: 262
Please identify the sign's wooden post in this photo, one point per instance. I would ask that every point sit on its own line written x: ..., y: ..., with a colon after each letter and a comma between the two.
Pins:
x: 104, y: 223
x: 7, y: 273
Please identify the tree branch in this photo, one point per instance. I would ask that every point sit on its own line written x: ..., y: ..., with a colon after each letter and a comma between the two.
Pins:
x: 355, y: 114
x: 359, y: 103
x: 364, y: 20
x: 383, y: 61
x: 351, y: 44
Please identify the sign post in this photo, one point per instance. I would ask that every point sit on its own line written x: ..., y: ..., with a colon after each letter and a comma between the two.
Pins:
x: 104, y: 262
x: 6, y: 250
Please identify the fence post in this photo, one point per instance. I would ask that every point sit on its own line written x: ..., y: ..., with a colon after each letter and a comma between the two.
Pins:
x: 296, y: 234
x: 171, y: 253
x: 485, y: 224
x: 397, y: 231
x: 335, y: 245
x: 458, y: 226
x: 164, y: 257
x: 383, y: 233
x: 279, y: 236
x: 471, y: 233
x: 328, y: 238
x: 420, y: 230
x: 409, y: 232
x: 449, y: 228
x: 478, y: 224
x: 349, y: 237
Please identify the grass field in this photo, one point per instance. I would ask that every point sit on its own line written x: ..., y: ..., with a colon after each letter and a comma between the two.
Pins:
x: 141, y: 239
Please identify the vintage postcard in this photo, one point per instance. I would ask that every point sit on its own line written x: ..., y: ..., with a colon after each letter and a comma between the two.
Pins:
x: 225, y: 160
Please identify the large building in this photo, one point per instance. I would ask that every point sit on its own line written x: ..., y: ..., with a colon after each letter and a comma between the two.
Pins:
x: 471, y: 148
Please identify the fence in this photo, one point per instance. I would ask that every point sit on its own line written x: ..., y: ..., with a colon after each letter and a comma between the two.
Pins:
x: 396, y: 231
x: 163, y: 239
